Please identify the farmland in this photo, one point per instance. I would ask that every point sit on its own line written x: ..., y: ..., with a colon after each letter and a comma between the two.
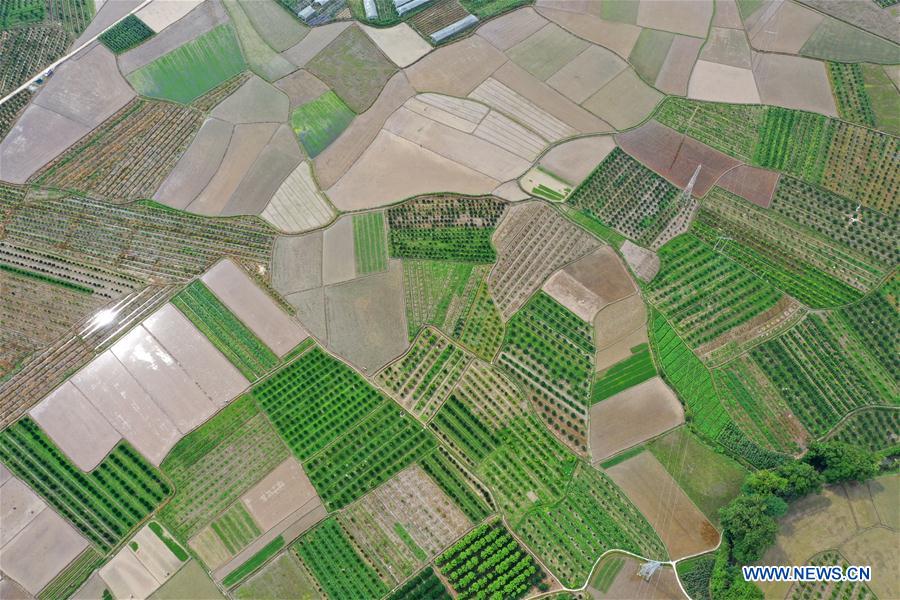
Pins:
x: 629, y: 197
x: 550, y: 352
x: 213, y: 97
x: 254, y: 562
x: 462, y: 431
x: 233, y: 339
x: 488, y: 559
x: 434, y: 291
x: 126, y: 34
x: 873, y: 428
x: 465, y: 491
x: 874, y: 321
x: 424, y: 585
x: 26, y: 50
x: 338, y: 568
x: 21, y: 12
x: 478, y: 324
x: 217, y: 463
x: 848, y: 86
x: 319, y: 122
x: 235, y: 527
x: 823, y: 589
x: 10, y: 110
x: 370, y: 243
x: 708, y: 122
x: 105, y: 504
x: 193, y: 69
x: 490, y: 395
x: 437, y: 15
x: 151, y: 134
x: 314, y: 400
x: 594, y: 516
x: 70, y: 580
x: 633, y: 370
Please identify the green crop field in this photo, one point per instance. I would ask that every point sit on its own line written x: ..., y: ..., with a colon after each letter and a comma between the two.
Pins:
x: 607, y: 572
x: 337, y: 566
x: 193, y: 69
x: 105, y: 504
x: 73, y: 576
x: 455, y: 483
x: 594, y: 516
x: 424, y: 586
x: 875, y: 323
x: 872, y: 428
x: 729, y: 128
x: 21, y: 12
x: 463, y: 431
x: 217, y: 463
x: 695, y: 574
x: 489, y: 562
x: 236, y: 528
x: 849, y: 89
x: 485, y: 9
x: 633, y: 370
x: 225, y: 331
x: 627, y: 196
x: 883, y: 98
x: 370, y: 243
x: 318, y: 123
x: 704, y: 293
x: 367, y: 455
x: 254, y: 562
x: 126, y: 34
x: 314, y: 400
x: 478, y: 324
x: 434, y: 291
x: 451, y: 243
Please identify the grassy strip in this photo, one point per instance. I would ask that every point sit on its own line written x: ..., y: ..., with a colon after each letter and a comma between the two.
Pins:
x: 72, y: 577
x: 592, y: 225
x: 46, y: 279
x: 170, y: 543
x: 633, y: 370
x: 300, y: 349
x: 607, y: 573
x: 622, y: 457
x: 410, y: 543
x: 254, y: 562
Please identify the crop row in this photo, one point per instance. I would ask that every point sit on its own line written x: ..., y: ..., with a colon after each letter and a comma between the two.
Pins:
x: 314, y: 400
x: 633, y: 370
x: 213, y: 97
x: 875, y: 322
x: 593, y: 517
x: 438, y: 15
x: 235, y: 527
x: 872, y: 428
x: 213, y: 465
x: 479, y: 325
x: 550, y: 352
x: 67, y: 582
x: 424, y: 586
x: 434, y: 291
x: 225, y: 331
x: 845, y: 590
x: 369, y: 243
x: 73, y: 14
x: 490, y: 395
x: 336, y: 565
x: 794, y: 142
x: 9, y: 111
x: 730, y: 128
x: 126, y: 34
x: 21, y: 12
x: 459, y: 486
x: 429, y: 212
x: 463, y: 431
x: 626, y: 195
x: 25, y: 51
x: 104, y: 504
x: 488, y: 562
x: 464, y: 244
x: 849, y: 90
x: 367, y: 455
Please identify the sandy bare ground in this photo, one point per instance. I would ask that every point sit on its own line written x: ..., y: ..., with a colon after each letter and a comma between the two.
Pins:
x: 618, y: 37
x: 690, y: 17
x: 197, y: 166
x: 629, y: 584
x: 19, y: 506
x: 400, y: 43
x: 508, y: 30
x: 727, y: 47
x: 279, y: 494
x: 625, y: 101
x: 794, y: 82
x: 680, y: 524
x: 298, y: 205
x: 159, y: 14
x: 722, y: 83
x: 254, y: 307
x: 72, y: 422
x: 41, y: 550
x: 644, y: 263
x: 590, y: 283
x: 633, y: 416
x: 373, y: 180
x: 676, y: 69
x: 751, y: 183
x: 338, y: 252
x: 456, y: 69
x: 786, y: 30
x: 574, y: 160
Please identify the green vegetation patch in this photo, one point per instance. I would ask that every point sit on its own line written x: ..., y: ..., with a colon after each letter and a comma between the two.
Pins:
x: 254, y: 562
x: 464, y: 430
x: 339, y: 569
x: 729, y: 128
x: 126, y: 34
x: 709, y: 478
x: 479, y: 325
x: 607, y: 572
x: 176, y: 549
x: 283, y: 577
x: 431, y: 288
x: 236, y: 528
x: 21, y: 12
x: 73, y: 576
x: 650, y: 51
x: 795, y: 142
x: 233, y: 339
x: 69, y: 285
x: 488, y: 560
x: 849, y: 88
x: 873, y: 428
x: 192, y: 69
x: 105, y: 504
x: 842, y: 42
x: 455, y: 483
x: 586, y: 220
x: 875, y: 322
x: 593, y: 517
x: 444, y: 243
x: 883, y: 97
x: 633, y: 370
x: 370, y: 243
x: 320, y: 122
x: 424, y: 586
x: 622, y: 11
x: 485, y: 9
x: 314, y: 400
x: 695, y: 574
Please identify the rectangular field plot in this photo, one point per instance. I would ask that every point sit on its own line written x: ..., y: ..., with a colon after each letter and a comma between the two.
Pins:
x: 217, y: 463
x: 593, y: 517
x: 338, y: 568
x: 465, y: 491
x: 422, y: 379
x: 550, y: 352
x: 424, y: 585
x: 314, y: 400
x: 193, y: 69
x: 225, y: 331
x: 874, y: 321
x: 370, y: 243
x: 372, y: 452
x: 126, y: 34
x: 457, y: 426
x: 434, y: 291
x: 849, y: 88
x: 320, y: 122
x: 236, y: 528
x: 621, y: 376
x: 402, y: 523
x: 477, y: 323
x: 105, y: 504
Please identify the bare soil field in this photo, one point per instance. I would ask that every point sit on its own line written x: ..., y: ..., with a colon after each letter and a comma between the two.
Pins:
x: 722, y: 83
x: 197, y: 166
x: 787, y: 29
x: 510, y: 191
x: 254, y: 307
x: 544, y: 52
x: 409, y: 502
x: 794, y: 82
x: 727, y: 47
x: 191, y: 581
x: 283, y: 491
x: 314, y: 42
x: 159, y: 15
x: 400, y: 43
x: 509, y: 102
x: 618, y: 320
x: 751, y: 183
x: 301, y: 86
x: 19, y: 506
x: 340, y: 155
x: 72, y: 422
x: 508, y: 30
x: 618, y: 37
x: 256, y: 101
x: 680, y: 524
x: 727, y: 15
x: 456, y: 69
x: 127, y: 577
x: 621, y: 349
x: 310, y: 307
x: 644, y: 263
x: 625, y: 101
x: 690, y: 17
x: 338, y: 252
x: 585, y: 74
x: 298, y: 205
x: 154, y: 554
x: 297, y: 263
x: 675, y: 72
x: 591, y: 283
x: 632, y: 416
x: 628, y: 584
x: 574, y: 160
x: 505, y: 133
x: 458, y: 113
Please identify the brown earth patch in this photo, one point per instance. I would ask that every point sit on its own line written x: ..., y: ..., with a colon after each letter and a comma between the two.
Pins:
x: 751, y: 183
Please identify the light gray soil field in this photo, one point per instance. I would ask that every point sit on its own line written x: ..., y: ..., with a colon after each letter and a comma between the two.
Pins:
x: 681, y: 526
x: 794, y: 82
x: 727, y: 47
x: 254, y: 307
x: 128, y: 577
x: 197, y: 166
x: 618, y: 37
x: 191, y: 581
x: 872, y: 18
x: 690, y: 17
x: 753, y: 184
x: 644, y: 263
x: 505, y: 133
x: 41, y: 550
x: 159, y: 15
x: 72, y: 422
x: 314, y: 42
x: 722, y: 83
x: 621, y: 349
x: 154, y: 554
x: 625, y: 101
x: 458, y: 113
x: 197, y: 22
x: 508, y: 30
x: 575, y: 160
x: 127, y: 407
x: 278, y: 28
x: 786, y: 30
x: 217, y: 377
x: 509, y: 102
x: 285, y: 490
x: 400, y: 43
x: 633, y: 416
x: 256, y: 101
x: 297, y: 204
x: 163, y: 379
x: 585, y: 74
x: 547, y: 50
x: 367, y: 318
x: 727, y: 15
x: 590, y: 283
x: 310, y: 307
x: 338, y: 252
x: 663, y: 585
x: 456, y: 69
x: 301, y: 86
x: 19, y: 506
x: 297, y: 263
x: 340, y: 155
x: 676, y: 69
x: 92, y: 588
x: 510, y: 191
x: 108, y: 13
x: 38, y: 136
x: 618, y: 320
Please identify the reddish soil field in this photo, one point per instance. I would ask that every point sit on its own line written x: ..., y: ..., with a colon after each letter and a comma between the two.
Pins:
x: 751, y: 183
